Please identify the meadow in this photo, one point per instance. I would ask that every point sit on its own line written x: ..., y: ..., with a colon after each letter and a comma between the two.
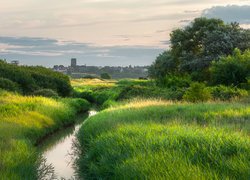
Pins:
x: 188, y: 118
x: 24, y: 122
x: 153, y: 139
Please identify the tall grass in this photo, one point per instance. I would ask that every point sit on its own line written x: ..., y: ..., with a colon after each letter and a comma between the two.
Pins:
x: 162, y: 140
x: 23, y: 122
x: 90, y: 84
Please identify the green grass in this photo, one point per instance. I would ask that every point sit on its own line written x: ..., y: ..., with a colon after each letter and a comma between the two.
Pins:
x: 162, y: 140
x: 23, y: 122
x: 105, y: 93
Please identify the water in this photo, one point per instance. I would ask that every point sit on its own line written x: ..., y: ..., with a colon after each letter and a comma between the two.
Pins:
x: 57, y: 153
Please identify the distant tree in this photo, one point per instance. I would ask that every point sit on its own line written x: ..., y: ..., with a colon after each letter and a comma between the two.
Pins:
x: 105, y: 76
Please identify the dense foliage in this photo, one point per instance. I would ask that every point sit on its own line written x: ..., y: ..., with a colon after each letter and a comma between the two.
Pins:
x: 9, y: 85
x: 105, y: 76
x: 30, y: 79
x: 231, y: 70
x: 197, y: 92
x: 45, y: 93
x: 195, y: 47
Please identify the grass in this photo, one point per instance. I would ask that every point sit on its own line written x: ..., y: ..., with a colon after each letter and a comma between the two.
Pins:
x: 90, y: 84
x: 23, y: 122
x: 105, y: 93
x: 152, y: 139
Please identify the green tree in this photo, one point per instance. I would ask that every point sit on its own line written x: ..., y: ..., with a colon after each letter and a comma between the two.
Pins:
x: 105, y: 76
x: 164, y: 65
x: 205, y: 40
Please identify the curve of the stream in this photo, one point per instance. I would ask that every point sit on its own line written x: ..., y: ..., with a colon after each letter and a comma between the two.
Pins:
x: 57, y: 151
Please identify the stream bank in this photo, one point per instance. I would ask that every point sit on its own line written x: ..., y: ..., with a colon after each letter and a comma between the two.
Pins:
x: 58, y: 152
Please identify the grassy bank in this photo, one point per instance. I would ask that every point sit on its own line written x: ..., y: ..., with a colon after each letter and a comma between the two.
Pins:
x: 162, y: 140
x: 23, y: 122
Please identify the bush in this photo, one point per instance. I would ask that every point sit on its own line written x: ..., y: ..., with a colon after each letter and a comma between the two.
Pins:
x: 245, y: 85
x: 104, y: 95
x: 105, y: 76
x: 139, y: 82
x: 175, y: 82
x: 8, y: 85
x: 45, y: 93
x: 108, y: 103
x: 88, y: 95
x: 231, y: 70
x: 31, y: 79
x: 226, y: 93
x: 135, y: 91
x: 81, y: 105
x: 197, y: 92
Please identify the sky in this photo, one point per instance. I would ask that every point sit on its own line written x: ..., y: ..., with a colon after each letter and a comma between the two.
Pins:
x: 102, y: 32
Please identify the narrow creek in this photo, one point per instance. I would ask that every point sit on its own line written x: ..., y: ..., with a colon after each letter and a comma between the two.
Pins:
x: 58, y: 151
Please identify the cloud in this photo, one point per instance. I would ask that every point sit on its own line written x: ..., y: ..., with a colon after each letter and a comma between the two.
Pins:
x: 230, y: 13
x: 49, y: 52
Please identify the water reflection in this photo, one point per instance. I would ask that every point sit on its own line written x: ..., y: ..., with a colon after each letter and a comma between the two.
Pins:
x: 57, y: 152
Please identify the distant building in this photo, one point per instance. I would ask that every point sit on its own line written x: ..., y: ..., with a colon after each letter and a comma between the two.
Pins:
x: 15, y: 62
x: 116, y: 72
x: 73, y: 62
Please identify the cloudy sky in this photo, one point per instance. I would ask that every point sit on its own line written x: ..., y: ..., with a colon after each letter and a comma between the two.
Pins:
x: 101, y: 32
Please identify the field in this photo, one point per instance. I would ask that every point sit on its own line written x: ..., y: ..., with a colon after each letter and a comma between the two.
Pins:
x: 159, y: 139
x: 24, y: 121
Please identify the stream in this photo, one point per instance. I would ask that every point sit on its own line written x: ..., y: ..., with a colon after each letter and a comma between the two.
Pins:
x: 58, y: 153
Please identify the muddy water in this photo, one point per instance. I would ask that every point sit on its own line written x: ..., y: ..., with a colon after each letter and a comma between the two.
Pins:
x: 58, y: 151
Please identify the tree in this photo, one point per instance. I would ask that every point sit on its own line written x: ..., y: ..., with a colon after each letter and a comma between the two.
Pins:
x: 164, y: 64
x: 105, y: 76
x: 205, y: 40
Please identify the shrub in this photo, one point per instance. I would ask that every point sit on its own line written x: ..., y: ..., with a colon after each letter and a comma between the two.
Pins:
x: 197, y: 92
x: 135, y: 91
x: 245, y: 85
x: 226, y: 93
x: 45, y: 93
x: 105, y: 76
x: 88, y: 95
x: 177, y: 94
x: 139, y: 82
x: 231, y: 70
x: 104, y: 95
x: 31, y: 79
x: 174, y: 81
x: 81, y: 105
x: 8, y: 85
